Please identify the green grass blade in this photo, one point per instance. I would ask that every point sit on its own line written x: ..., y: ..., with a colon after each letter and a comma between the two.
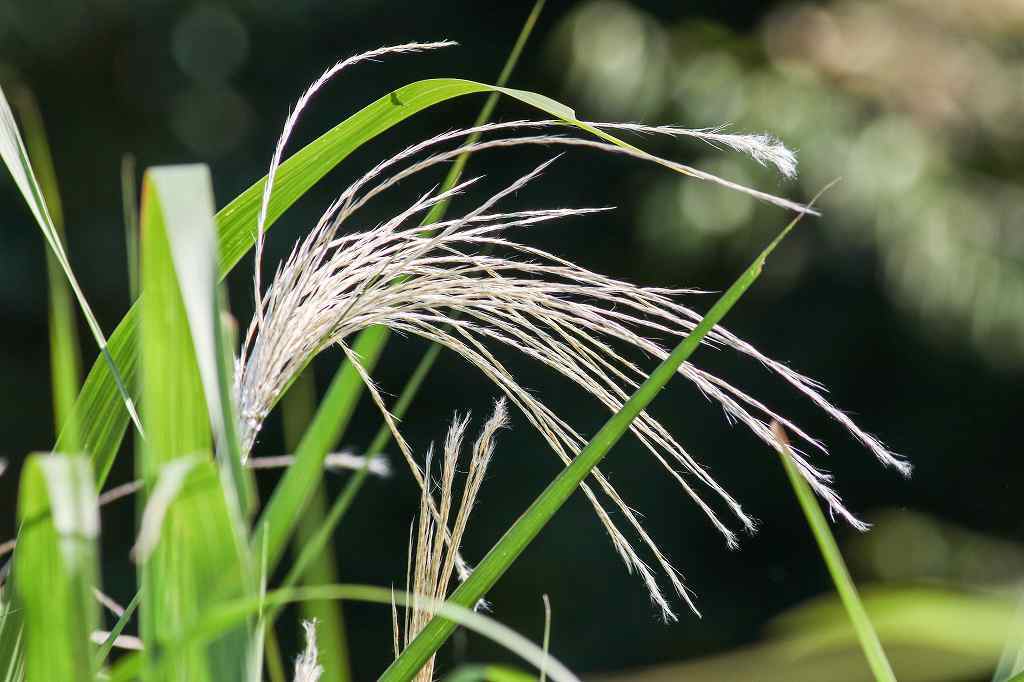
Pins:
x: 866, y: 634
x: 65, y: 353
x: 288, y: 500
x: 317, y: 541
x: 15, y: 157
x: 130, y: 208
x: 227, y: 616
x: 56, y: 567
x: 184, y: 196
x: 547, y: 633
x: 526, y: 528
x: 98, y: 408
x: 193, y: 554
x: 297, y: 410
x: 115, y: 632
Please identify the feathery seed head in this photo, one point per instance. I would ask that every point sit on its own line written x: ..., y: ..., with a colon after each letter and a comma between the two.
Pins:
x: 435, y: 557
x: 307, y: 665
x: 472, y: 287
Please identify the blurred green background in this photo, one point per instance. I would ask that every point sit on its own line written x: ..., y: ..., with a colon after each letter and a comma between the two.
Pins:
x: 906, y: 299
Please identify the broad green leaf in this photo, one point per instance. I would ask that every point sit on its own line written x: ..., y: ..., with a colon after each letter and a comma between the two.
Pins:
x: 172, y: 392
x: 65, y: 354
x: 191, y: 543
x: 195, y: 563
x: 183, y: 195
x: 55, y: 567
x: 543, y: 508
x: 227, y: 616
x: 98, y: 407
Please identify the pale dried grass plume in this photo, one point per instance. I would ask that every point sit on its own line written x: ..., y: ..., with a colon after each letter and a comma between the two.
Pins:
x: 307, y: 665
x: 433, y: 550
x: 469, y: 286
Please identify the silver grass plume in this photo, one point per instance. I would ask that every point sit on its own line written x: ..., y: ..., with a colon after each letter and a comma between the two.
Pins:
x: 307, y: 665
x: 468, y: 286
x: 434, y: 560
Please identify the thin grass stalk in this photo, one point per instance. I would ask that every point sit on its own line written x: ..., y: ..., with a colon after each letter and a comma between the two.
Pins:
x: 547, y: 636
x: 115, y: 632
x: 65, y: 351
x: 866, y: 634
x: 297, y: 409
x: 130, y: 209
x: 540, y: 512
x: 274, y: 659
x: 16, y: 157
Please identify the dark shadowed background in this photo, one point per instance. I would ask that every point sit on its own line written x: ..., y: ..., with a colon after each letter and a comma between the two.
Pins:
x: 906, y: 299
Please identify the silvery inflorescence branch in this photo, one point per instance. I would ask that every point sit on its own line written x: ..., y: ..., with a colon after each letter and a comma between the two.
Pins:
x: 469, y: 285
